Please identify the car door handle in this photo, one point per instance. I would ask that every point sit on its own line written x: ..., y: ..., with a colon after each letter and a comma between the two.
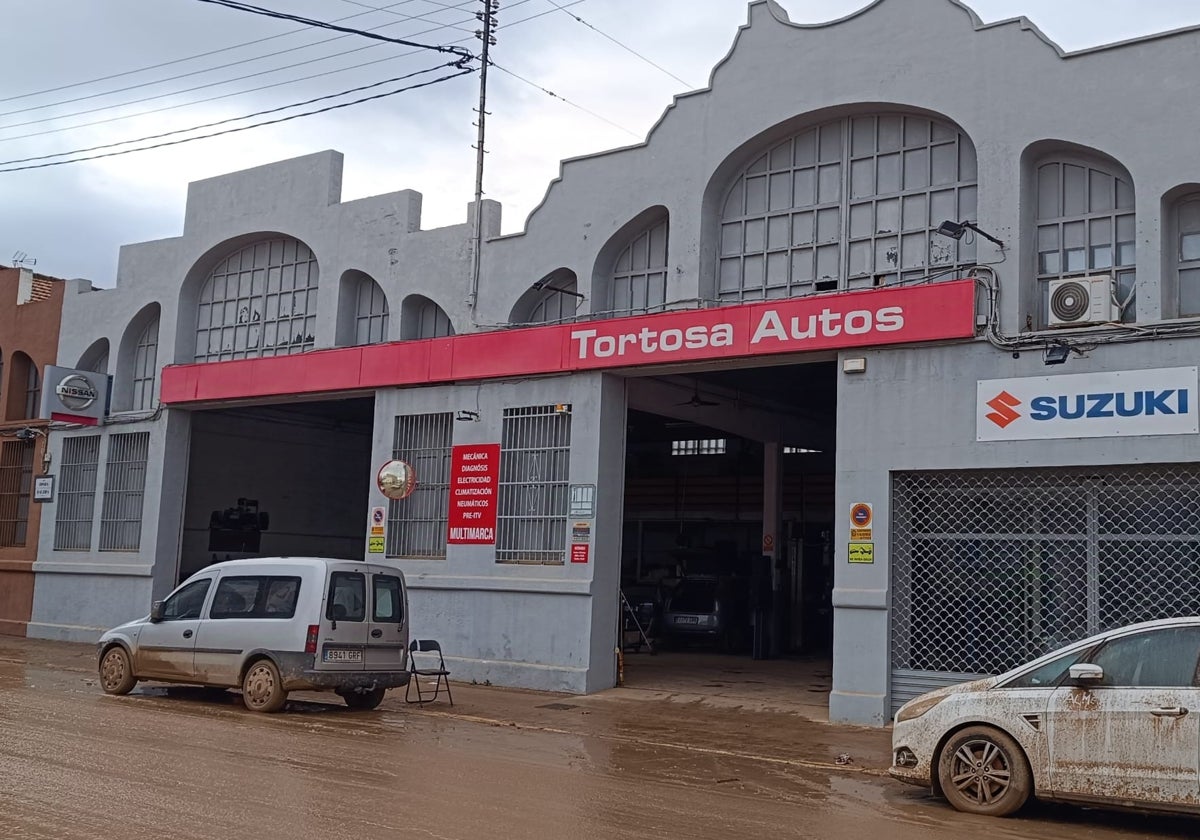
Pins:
x: 1173, y: 711
x: 376, y: 633
x: 187, y: 634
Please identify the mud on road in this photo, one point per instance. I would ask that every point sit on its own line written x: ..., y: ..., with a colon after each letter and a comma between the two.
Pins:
x: 187, y: 763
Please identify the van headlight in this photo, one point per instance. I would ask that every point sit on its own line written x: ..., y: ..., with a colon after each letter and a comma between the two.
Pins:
x: 915, y: 709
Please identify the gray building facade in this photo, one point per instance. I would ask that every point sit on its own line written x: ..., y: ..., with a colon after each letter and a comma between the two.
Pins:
x: 820, y: 160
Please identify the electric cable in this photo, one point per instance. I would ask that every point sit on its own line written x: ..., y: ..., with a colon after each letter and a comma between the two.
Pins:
x: 460, y: 64
x: 463, y: 72
x: 625, y: 47
x: 564, y: 99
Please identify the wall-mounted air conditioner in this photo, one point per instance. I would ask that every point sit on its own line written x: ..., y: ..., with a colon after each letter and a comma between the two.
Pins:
x: 1080, y: 301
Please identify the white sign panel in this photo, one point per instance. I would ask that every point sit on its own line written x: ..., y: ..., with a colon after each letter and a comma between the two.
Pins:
x: 1124, y: 403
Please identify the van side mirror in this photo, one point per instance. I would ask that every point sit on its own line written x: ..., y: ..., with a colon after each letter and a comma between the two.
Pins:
x: 156, y: 612
x: 1085, y: 673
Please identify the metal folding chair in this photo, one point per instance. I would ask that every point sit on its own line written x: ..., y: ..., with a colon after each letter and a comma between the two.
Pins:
x: 425, y: 649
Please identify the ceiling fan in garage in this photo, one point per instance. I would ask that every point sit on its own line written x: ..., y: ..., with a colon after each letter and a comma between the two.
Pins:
x: 696, y: 400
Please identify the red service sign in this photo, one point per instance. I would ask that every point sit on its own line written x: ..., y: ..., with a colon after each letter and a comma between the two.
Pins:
x: 474, y: 486
x: 579, y: 552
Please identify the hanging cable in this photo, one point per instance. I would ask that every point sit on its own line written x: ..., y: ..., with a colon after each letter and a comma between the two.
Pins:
x: 564, y: 99
x: 628, y: 49
x: 463, y: 72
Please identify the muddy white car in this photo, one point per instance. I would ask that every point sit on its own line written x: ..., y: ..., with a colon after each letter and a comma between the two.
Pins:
x: 1111, y: 721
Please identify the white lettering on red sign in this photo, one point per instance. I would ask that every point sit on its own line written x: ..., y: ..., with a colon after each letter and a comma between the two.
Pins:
x: 474, y: 477
x: 855, y: 322
x: 647, y: 340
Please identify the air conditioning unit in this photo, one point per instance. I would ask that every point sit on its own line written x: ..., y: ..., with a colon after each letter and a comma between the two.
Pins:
x: 1081, y: 301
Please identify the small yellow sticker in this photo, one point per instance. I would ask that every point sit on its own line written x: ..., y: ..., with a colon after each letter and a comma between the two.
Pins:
x: 860, y: 534
x: 375, y: 545
x: 861, y: 552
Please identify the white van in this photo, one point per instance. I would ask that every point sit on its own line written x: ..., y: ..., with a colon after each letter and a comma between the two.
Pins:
x: 270, y: 626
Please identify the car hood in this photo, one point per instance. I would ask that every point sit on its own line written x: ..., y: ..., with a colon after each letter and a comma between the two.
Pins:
x: 973, y: 687
x: 126, y: 628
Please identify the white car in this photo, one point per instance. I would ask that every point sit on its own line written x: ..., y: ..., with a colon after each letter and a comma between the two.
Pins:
x: 1113, y: 720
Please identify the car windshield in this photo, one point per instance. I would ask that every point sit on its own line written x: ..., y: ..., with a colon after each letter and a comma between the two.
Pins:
x: 695, y: 596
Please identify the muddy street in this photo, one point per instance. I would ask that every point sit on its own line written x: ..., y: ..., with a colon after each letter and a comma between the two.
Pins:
x: 188, y: 763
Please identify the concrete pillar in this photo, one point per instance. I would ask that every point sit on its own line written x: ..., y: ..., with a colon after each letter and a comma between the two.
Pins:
x: 771, y: 541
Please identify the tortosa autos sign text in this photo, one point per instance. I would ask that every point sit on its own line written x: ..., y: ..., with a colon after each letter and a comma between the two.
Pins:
x: 1161, y: 401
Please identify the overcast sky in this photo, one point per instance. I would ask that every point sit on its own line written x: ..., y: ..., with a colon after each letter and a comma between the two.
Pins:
x: 73, y: 218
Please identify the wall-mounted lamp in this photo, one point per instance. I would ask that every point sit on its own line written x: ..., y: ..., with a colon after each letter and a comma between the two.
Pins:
x: 856, y: 365
x: 955, y: 230
x: 1056, y: 354
x: 467, y: 416
x: 544, y: 285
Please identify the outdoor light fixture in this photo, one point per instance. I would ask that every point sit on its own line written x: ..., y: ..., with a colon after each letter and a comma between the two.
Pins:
x: 467, y: 416
x: 1056, y: 354
x: 856, y: 365
x: 955, y: 230
x: 544, y: 285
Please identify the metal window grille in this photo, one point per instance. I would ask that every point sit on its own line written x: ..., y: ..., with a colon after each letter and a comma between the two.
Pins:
x: 145, y: 367
x: 417, y: 525
x: 260, y: 301
x: 992, y: 569
x: 713, y: 446
x: 556, y: 305
x: 1187, y: 221
x: 639, y: 279
x: 124, y: 492
x: 16, y: 480
x: 535, y: 455
x: 76, y: 509
x: 33, y: 390
x: 432, y: 322
x: 1085, y: 224
x: 849, y: 204
x: 371, y: 313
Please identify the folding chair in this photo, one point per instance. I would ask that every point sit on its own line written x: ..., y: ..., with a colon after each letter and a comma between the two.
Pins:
x: 427, y: 648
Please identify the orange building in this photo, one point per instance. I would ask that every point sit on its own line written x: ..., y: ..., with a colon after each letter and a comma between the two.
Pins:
x: 30, y: 313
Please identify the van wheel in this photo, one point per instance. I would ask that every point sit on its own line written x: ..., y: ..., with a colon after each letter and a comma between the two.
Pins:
x: 116, y: 671
x: 363, y: 701
x: 262, y: 687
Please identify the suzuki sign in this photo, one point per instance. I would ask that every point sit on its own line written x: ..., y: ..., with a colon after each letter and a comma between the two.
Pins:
x: 1118, y: 404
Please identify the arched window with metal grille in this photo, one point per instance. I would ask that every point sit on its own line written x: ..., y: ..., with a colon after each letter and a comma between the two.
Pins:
x: 145, y: 367
x: 422, y: 318
x: 638, y: 282
x: 370, y: 312
x: 261, y: 300
x: 1186, y: 228
x: 853, y: 203
x: 95, y: 358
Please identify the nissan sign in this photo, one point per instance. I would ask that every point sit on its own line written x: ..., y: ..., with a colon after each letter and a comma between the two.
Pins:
x: 75, y: 396
x: 1160, y: 401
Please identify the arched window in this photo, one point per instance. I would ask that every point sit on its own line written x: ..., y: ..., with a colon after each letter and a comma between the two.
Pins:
x: 1085, y: 222
x: 95, y: 358
x: 849, y: 204
x: 145, y: 367
x: 422, y: 318
x: 639, y: 278
x: 1187, y: 253
x: 259, y: 301
x: 24, y: 388
x: 552, y: 300
x: 370, y: 312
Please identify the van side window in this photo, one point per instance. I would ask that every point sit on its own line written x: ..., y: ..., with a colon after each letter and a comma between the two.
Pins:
x: 347, y: 597
x: 389, y: 606
x: 187, y: 602
x: 255, y: 596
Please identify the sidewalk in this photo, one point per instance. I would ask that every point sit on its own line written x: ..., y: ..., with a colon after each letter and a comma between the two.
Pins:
x: 774, y: 729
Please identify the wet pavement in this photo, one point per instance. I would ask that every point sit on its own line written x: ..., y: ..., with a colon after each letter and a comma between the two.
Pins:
x: 190, y: 763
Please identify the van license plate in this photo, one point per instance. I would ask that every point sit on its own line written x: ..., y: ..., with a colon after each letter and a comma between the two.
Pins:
x: 687, y: 619
x: 343, y: 656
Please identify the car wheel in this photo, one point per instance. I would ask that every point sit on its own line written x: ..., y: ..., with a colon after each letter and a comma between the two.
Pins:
x: 983, y: 771
x: 364, y: 701
x: 262, y: 687
x: 116, y: 671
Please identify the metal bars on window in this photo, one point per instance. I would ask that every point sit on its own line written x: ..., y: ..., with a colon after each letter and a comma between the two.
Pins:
x: 260, y: 301
x: 846, y: 205
x: 992, y: 569
x: 708, y: 446
x: 145, y: 368
x: 370, y: 312
x: 535, y: 454
x: 124, y: 492
x: 16, y: 479
x: 417, y: 525
x: 33, y: 390
x: 76, y: 508
x: 639, y: 280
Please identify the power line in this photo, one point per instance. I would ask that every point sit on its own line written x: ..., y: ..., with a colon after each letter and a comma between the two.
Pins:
x: 564, y: 99
x: 618, y: 43
x: 460, y: 64
x: 463, y: 72
x: 243, y: 78
x: 206, y: 54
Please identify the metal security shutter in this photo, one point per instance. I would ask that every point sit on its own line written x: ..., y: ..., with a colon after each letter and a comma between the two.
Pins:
x: 991, y: 569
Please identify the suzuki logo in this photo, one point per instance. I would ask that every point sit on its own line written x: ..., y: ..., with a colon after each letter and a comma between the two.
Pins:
x: 1003, y: 407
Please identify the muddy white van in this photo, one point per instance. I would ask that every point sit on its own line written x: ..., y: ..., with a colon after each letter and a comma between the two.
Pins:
x: 270, y: 626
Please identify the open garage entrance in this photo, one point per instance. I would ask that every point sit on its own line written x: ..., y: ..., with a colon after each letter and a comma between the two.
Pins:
x: 285, y: 479
x: 727, y: 554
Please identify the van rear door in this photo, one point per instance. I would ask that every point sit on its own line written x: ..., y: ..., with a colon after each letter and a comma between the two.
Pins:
x: 387, y: 642
x: 343, y: 638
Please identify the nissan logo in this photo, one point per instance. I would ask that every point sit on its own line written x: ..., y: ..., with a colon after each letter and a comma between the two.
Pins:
x: 76, y: 392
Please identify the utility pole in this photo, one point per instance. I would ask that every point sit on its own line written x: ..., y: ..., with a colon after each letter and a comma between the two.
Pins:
x: 488, y: 18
